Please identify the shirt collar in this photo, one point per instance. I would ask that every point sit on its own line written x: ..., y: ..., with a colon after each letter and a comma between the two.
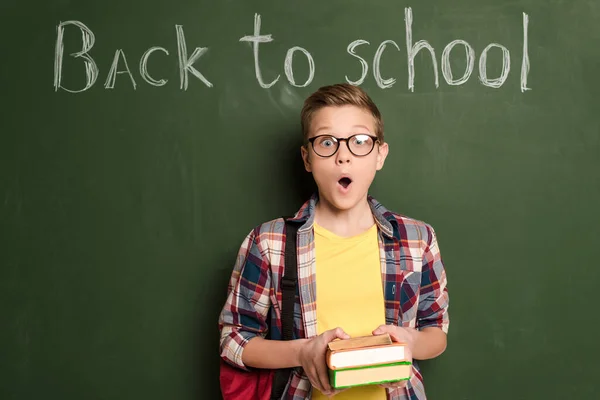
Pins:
x: 384, y: 219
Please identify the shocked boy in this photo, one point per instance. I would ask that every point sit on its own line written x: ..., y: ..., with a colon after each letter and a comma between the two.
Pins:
x: 362, y: 269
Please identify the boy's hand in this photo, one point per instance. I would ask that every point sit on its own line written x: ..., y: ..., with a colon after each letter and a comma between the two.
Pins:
x: 398, y: 334
x: 312, y: 359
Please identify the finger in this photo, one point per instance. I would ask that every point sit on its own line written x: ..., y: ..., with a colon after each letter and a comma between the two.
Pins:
x: 323, y: 378
x: 394, y: 385
x: 315, y: 381
x: 313, y: 377
x: 336, y: 392
x: 316, y: 386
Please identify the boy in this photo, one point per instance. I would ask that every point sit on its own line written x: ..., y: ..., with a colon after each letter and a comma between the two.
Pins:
x: 362, y: 269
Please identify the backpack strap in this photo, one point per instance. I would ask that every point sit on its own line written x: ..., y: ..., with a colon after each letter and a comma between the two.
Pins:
x: 289, y: 282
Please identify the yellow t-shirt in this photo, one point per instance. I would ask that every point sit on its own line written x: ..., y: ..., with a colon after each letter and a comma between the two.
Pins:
x: 349, y: 293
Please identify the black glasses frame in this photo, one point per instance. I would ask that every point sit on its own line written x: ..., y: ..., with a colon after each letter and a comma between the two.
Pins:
x: 337, y: 142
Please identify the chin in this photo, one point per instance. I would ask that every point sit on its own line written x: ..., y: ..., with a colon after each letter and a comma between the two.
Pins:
x: 342, y: 203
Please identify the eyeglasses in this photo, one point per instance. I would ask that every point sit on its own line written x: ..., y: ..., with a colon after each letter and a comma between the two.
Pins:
x: 327, y: 145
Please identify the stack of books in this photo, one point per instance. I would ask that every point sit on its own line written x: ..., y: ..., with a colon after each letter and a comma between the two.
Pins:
x: 367, y: 360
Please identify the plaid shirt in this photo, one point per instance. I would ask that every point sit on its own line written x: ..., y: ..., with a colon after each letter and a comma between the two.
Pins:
x: 413, y: 276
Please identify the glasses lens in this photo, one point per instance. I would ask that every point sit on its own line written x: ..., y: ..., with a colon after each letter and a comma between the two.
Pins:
x: 361, y: 145
x: 325, y: 146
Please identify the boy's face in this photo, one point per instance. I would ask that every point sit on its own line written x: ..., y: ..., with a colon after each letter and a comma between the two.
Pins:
x: 344, y: 178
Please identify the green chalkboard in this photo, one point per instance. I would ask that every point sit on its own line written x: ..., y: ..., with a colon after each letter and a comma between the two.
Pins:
x: 141, y: 141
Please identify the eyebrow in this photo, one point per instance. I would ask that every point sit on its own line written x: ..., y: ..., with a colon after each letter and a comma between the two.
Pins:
x: 362, y: 126
x: 328, y: 128
x: 324, y: 128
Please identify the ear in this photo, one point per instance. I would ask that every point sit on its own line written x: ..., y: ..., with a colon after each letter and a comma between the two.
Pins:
x: 381, y: 155
x: 306, y: 158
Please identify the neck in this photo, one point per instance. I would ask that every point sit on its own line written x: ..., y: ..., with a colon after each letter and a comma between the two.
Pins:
x: 344, y: 223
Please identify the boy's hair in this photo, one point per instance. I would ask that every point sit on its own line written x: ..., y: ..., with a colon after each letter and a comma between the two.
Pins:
x: 341, y: 94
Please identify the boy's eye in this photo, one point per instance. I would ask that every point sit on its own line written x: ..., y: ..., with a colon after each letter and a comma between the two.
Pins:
x: 360, y: 140
x: 326, y: 142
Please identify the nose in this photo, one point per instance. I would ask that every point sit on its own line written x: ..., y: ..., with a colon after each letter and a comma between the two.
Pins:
x: 343, y: 154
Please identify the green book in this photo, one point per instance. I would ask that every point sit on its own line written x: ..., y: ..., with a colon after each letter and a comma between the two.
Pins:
x: 370, y: 375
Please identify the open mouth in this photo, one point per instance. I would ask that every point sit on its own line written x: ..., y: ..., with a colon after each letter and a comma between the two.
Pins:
x: 345, y: 182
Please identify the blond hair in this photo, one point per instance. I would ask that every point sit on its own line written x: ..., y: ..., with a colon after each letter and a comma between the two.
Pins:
x: 337, y: 95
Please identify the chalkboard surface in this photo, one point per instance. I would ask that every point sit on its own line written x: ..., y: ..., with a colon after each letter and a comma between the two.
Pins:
x: 141, y: 141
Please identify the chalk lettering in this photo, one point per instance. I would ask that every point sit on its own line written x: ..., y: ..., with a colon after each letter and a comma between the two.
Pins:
x: 412, y: 51
x: 112, y: 74
x: 382, y: 83
x: 91, y: 69
x: 256, y: 40
x: 365, y: 66
x: 446, y: 68
x: 497, y: 82
x: 144, y: 67
x: 289, y: 73
x: 525, y: 63
x: 185, y: 63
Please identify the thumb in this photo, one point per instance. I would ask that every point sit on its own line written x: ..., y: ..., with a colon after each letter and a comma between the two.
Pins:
x: 337, y: 333
x: 381, y: 329
x: 390, y: 330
